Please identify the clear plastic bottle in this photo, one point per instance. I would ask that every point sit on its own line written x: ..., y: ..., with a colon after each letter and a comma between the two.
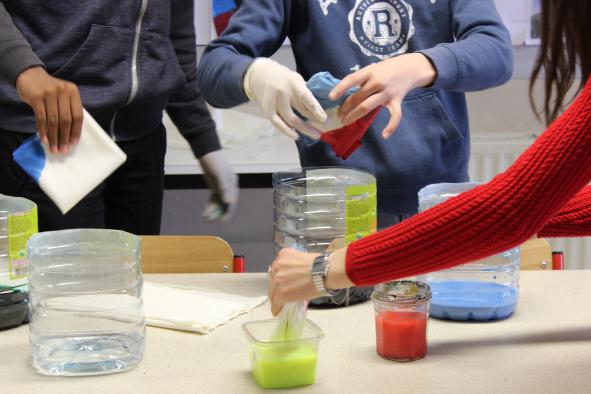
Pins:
x: 86, y: 314
x: 18, y: 222
x: 487, y: 289
x: 323, y: 209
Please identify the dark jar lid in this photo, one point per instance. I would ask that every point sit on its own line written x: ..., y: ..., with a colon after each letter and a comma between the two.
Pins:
x: 12, y: 296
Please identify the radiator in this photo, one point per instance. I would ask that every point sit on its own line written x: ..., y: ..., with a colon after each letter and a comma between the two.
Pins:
x: 492, y: 154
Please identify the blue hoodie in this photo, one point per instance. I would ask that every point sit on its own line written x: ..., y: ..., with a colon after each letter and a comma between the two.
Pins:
x: 130, y: 60
x: 465, y: 40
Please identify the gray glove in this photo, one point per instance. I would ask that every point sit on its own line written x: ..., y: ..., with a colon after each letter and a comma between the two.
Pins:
x: 223, y: 183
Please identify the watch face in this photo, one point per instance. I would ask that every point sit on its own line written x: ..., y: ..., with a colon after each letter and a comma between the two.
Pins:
x: 318, y: 265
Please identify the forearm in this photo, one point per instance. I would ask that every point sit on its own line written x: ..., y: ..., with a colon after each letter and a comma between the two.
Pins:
x: 187, y: 108
x: 488, y: 219
x: 16, y: 54
x: 257, y: 29
x: 481, y: 57
x: 573, y: 220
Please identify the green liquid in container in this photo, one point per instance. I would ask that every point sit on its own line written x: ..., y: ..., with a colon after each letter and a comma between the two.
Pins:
x: 279, y: 366
x: 278, y: 363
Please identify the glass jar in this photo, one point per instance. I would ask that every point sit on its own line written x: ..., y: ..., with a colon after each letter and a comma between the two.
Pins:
x: 401, y: 315
x: 86, y: 315
x: 486, y: 289
x: 319, y: 210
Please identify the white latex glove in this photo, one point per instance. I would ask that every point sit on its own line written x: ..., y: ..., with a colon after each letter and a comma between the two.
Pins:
x: 223, y: 183
x: 277, y: 90
x: 333, y: 121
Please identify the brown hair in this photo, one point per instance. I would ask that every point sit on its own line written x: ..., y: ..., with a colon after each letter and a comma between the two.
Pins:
x: 565, y: 44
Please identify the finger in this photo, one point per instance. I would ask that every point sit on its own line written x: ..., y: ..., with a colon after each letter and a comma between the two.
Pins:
x: 357, y: 98
x: 229, y: 211
x: 52, y: 113
x: 41, y: 120
x: 276, y: 309
x: 65, y: 121
x: 293, y: 121
x: 395, y: 116
x: 275, y: 306
x: 284, y: 128
x: 213, y: 211
x: 307, y: 105
x: 358, y: 78
x: 77, y: 117
x: 364, y: 108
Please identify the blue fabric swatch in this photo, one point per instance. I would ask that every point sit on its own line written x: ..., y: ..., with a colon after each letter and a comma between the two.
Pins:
x: 31, y: 157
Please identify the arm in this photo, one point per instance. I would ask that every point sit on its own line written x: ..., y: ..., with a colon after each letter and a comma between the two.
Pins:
x: 16, y: 54
x: 573, y: 220
x: 523, y: 201
x: 257, y: 29
x: 491, y: 218
x: 231, y: 75
x: 186, y: 107
x: 481, y: 57
x: 55, y: 102
x: 190, y: 114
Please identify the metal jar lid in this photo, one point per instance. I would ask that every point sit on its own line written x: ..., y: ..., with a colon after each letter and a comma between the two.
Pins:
x: 403, y: 292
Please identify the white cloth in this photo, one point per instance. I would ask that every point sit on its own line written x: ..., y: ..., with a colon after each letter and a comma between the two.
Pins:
x: 68, y: 178
x: 191, y: 308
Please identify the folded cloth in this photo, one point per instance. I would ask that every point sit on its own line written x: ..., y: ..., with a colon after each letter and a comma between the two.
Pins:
x: 68, y: 178
x: 346, y: 140
x: 193, y: 309
x: 343, y: 139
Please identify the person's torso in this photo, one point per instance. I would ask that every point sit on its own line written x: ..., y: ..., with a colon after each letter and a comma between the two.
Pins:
x: 431, y: 144
x: 117, y: 52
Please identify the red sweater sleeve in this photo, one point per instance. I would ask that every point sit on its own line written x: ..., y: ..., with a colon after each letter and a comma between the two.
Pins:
x: 573, y: 220
x: 490, y: 218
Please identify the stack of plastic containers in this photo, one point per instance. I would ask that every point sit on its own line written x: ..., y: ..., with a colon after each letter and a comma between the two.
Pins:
x: 486, y: 289
x: 322, y: 209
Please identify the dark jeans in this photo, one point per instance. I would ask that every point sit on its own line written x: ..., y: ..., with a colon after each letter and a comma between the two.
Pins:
x: 130, y: 199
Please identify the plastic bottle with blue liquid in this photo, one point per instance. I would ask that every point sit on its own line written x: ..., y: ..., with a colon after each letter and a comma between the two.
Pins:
x: 487, y: 289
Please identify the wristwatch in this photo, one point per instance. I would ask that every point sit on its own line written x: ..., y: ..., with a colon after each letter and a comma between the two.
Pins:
x: 319, y: 271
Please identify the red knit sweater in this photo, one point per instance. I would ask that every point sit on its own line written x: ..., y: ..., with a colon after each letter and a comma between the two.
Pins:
x: 523, y: 201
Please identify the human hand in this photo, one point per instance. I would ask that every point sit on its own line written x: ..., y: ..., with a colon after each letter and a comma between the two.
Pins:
x: 223, y: 183
x: 290, y: 278
x: 57, y: 107
x: 384, y: 84
x: 277, y: 90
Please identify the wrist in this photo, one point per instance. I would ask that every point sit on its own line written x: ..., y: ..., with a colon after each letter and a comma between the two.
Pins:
x: 424, y: 73
x: 29, y: 73
x: 336, y: 277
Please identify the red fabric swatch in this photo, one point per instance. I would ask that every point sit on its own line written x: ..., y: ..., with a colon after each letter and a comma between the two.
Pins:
x: 346, y: 140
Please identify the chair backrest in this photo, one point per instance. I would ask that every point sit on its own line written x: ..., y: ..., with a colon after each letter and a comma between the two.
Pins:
x: 536, y: 254
x: 186, y: 254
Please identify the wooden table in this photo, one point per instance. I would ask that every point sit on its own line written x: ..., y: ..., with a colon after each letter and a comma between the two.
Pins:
x: 544, y: 347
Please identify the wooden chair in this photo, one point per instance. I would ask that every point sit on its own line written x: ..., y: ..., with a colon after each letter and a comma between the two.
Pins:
x: 536, y: 254
x: 186, y: 254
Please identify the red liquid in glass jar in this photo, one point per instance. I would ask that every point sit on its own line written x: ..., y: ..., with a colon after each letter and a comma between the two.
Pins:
x: 401, y: 335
